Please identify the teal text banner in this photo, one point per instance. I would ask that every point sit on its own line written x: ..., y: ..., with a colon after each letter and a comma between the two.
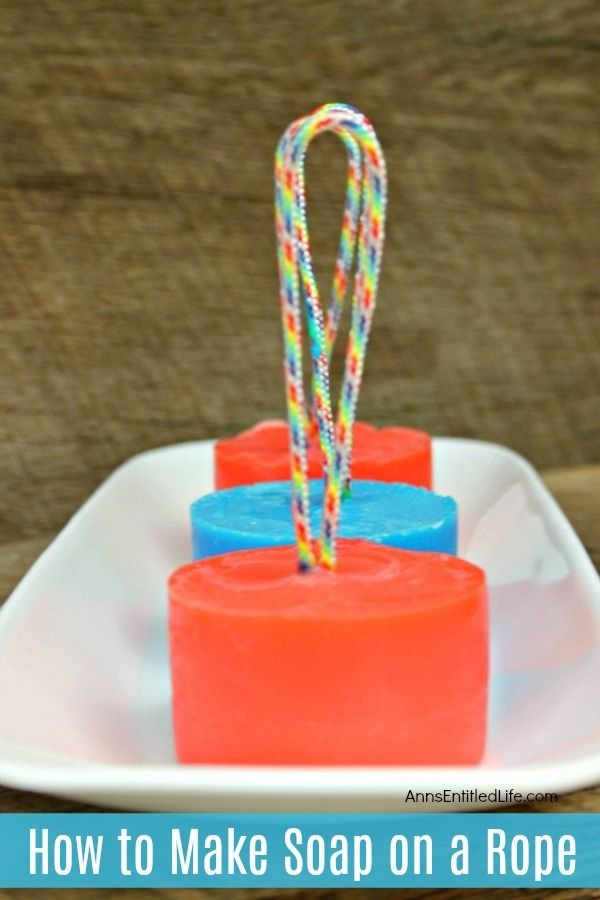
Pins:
x: 300, y: 850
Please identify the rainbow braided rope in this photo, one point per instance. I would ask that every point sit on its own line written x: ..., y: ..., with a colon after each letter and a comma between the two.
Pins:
x: 320, y: 422
x: 350, y: 221
x: 370, y: 251
x: 365, y: 201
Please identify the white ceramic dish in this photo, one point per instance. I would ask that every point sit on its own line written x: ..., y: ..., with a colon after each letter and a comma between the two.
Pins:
x: 84, y: 681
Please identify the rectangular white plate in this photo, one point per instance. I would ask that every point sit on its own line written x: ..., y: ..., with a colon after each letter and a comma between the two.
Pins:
x: 84, y: 677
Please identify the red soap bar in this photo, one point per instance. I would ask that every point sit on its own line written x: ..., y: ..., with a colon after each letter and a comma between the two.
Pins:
x: 262, y: 453
x: 384, y: 661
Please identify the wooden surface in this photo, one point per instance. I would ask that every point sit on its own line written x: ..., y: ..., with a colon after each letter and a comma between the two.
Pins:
x: 352, y: 894
x: 139, y: 294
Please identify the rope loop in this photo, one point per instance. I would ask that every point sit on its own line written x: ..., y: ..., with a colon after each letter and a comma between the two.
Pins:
x: 362, y: 238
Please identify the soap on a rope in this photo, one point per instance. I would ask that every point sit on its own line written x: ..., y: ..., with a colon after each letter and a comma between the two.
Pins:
x: 383, y: 661
x: 258, y: 515
x: 262, y: 453
x: 339, y: 651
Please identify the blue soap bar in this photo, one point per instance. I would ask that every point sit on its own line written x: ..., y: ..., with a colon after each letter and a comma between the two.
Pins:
x: 259, y: 515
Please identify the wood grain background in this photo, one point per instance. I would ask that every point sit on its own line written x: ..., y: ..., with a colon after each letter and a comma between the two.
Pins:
x: 139, y: 292
x: 137, y: 259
